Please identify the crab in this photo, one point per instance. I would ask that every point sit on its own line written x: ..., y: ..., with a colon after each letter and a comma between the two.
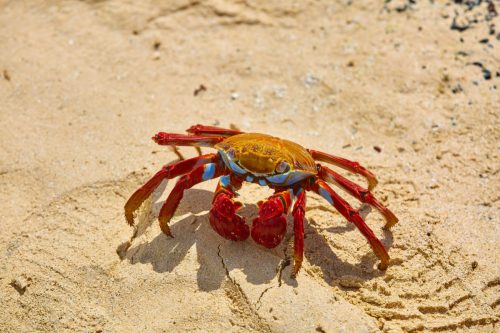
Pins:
x: 286, y: 167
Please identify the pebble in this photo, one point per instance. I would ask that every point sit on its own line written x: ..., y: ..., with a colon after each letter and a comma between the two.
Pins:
x: 21, y: 283
x: 259, y: 100
x: 310, y: 80
x: 279, y: 91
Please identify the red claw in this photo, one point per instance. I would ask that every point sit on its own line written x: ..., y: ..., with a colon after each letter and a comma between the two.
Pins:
x: 269, y: 233
x: 224, y: 220
x: 271, y: 208
x: 270, y: 227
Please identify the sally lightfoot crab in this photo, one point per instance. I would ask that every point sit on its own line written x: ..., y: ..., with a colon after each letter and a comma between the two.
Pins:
x: 282, y: 165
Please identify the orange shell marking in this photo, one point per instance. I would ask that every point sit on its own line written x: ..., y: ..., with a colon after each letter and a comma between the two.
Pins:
x: 261, y: 153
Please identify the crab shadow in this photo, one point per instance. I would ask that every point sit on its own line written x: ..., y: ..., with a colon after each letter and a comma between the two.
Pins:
x: 321, y: 254
x: 193, y: 236
x: 195, y: 240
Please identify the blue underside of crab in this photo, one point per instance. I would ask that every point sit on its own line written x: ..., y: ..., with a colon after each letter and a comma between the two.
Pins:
x: 279, y: 179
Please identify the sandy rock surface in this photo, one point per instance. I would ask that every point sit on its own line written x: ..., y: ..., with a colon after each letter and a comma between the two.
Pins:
x: 409, y: 90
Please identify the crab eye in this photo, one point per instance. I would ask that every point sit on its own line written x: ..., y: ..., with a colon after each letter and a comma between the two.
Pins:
x: 231, y: 153
x: 282, y: 167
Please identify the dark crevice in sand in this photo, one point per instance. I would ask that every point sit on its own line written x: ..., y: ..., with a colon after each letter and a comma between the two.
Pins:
x: 283, y: 264
x: 258, y: 304
x: 240, y: 301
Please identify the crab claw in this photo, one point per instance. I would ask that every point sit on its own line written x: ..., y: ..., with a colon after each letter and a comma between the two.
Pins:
x: 271, y: 208
x: 224, y: 220
x: 270, y: 227
x: 269, y: 233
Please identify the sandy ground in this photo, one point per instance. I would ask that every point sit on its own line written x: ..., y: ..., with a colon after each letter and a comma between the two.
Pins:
x: 85, y: 84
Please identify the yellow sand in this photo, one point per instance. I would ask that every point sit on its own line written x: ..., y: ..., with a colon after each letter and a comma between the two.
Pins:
x: 85, y: 84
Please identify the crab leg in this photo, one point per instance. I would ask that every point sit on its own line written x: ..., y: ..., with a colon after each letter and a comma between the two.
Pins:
x: 348, y: 165
x: 299, y: 211
x: 359, y: 193
x: 352, y: 215
x: 198, y: 175
x: 167, y: 172
x: 223, y: 217
x: 171, y: 139
x: 208, y: 130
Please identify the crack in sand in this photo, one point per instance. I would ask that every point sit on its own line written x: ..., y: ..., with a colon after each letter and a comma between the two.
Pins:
x: 165, y: 13
x: 283, y: 264
x: 240, y: 301
x: 258, y: 304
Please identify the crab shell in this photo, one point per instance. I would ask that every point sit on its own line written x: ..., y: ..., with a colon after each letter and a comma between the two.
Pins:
x: 266, y: 160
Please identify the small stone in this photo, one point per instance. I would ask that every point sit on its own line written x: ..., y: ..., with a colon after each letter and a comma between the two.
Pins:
x: 21, y: 283
x: 350, y: 282
x: 486, y: 74
x: 279, y: 91
x: 310, y: 80
x: 320, y: 329
x: 457, y: 88
x: 460, y: 24
x: 6, y: 75
x: 259, y: 100
x: 199, y: 90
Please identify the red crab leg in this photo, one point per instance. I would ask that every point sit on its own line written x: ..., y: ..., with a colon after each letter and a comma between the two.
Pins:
x: 167, y: 172
x: 222, y: 216
x: 204, y: 130
x: 172, y: 139
x: 343, y: 163
x: 270, y: 227
x: 299, y: 211
x: 352, y: 215
x: 359, y: 193
x: 198, y: 175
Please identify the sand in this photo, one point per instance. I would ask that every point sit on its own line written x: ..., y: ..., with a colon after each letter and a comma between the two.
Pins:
x: 408, y: 90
